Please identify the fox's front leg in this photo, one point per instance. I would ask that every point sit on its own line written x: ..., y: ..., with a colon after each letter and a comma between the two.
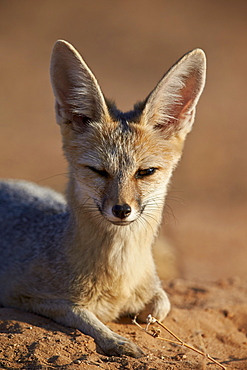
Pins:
x: 158, y: 307
x: 80, y: 318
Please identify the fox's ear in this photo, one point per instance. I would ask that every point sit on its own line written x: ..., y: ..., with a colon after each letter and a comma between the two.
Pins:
x: 171, y: 105
x: 78, y: 96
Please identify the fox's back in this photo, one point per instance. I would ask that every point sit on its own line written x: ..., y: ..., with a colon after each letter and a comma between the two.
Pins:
x: 32, y: 218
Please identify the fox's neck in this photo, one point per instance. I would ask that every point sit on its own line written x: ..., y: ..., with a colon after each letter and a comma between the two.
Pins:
x: 102, y: 245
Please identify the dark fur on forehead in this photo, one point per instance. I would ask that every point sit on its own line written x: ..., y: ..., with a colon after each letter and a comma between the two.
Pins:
x: 132, y: 116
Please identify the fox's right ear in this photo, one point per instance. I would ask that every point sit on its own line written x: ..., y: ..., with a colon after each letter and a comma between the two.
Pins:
x: 78, y: 96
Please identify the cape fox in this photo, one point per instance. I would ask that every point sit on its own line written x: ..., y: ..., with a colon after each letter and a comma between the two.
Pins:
x: 88, y: 259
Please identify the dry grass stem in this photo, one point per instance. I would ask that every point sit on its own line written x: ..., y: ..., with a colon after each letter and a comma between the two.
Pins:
x: 155, y: 334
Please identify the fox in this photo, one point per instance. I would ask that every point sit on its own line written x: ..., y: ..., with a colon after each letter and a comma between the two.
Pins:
x: 85, y: 259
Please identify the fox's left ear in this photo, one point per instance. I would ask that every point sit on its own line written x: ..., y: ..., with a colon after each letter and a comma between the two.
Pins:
x: 171, y: 105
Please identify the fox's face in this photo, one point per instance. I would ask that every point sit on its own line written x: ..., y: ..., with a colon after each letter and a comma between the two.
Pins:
x: 121, y: 163
x: 121, y: 170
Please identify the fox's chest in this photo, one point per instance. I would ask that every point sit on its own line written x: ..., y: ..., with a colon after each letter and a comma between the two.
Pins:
x: 109, y: 297
x: 118, y: 278
x: 111, y: 303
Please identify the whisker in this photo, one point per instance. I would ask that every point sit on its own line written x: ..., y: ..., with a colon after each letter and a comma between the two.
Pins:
x: 168, y: 213
x: 52, y: 176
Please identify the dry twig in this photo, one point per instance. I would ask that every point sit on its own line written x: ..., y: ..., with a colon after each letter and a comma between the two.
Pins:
x: 155, y: 334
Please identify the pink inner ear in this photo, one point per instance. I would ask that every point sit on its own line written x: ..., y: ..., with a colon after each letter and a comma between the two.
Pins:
x: 182, y: 106
x: 185, y: 109
x: 188, y: 94
x: 177, y: 112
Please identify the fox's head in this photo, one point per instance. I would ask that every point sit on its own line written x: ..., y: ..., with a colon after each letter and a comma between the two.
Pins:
x: 121, y: 163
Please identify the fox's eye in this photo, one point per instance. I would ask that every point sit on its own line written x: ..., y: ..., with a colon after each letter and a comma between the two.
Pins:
x: 143, y: 173
x: 101, y: 173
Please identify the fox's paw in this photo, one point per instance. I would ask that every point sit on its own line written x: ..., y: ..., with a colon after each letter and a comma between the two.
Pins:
x: 119, y: 346
x: 159, y: 307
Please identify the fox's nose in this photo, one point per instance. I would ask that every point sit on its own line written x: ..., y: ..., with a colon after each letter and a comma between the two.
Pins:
x: 121, y: 211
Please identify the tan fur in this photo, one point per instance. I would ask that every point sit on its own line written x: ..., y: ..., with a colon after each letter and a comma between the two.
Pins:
x: 120, y: 164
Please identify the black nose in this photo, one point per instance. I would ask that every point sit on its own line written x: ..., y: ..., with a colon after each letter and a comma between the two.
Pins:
x: 121, y: 211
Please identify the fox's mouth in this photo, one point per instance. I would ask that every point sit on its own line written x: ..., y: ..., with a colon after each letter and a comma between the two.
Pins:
x: 121, y: 223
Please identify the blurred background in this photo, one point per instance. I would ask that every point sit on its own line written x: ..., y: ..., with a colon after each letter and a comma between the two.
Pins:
x: 129, y: 45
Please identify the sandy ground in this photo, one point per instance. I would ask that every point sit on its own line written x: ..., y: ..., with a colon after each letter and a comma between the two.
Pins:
x: 210, y: 317
x: 129, y: 45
